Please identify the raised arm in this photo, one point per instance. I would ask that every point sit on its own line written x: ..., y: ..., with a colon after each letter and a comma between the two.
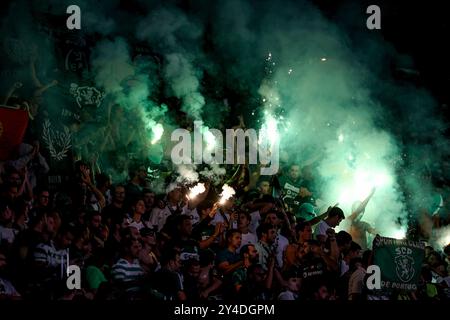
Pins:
x: 33, y: 59
x: 332, y: 258
x: 286, y: 218
x: 362, y: 206
x: 322, y: 216
x: 319, y: 218
x: 87, y: 179
x: 23, y: 161
x: 14, y: 87
x: 36, y: 82
x: 228, y: 268
x: 218, y: 231
x: 372, y: 230
x: 41, y: 90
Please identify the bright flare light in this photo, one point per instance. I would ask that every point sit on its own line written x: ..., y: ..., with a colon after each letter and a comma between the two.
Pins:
x: 269, y: 134
x: 227, y: 193
x: 210, y: 140
x: 196, y: 190
x: 399, y: 234
x: 157, y: 131
x: 443, y: 238
x: 382, y: 179
x: 341, y: 137
x: 361, y: 183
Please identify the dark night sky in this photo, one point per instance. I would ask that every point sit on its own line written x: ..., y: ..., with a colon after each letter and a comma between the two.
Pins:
x: 419, y: 29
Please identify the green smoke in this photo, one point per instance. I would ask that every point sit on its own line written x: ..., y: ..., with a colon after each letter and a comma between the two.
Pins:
x: 327, y: 86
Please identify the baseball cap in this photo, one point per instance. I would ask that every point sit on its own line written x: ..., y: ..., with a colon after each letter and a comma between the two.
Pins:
x: 306, y: 211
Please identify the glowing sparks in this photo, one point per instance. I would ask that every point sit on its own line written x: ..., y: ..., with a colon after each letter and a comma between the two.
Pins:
x: 272, y: 129
x: 227, y: 193
x: 341, y: 138
x: 196, y: 190
x: 157, y: 131
x: 323, y: 59
x: 269, y: 131
x: 289, y: 71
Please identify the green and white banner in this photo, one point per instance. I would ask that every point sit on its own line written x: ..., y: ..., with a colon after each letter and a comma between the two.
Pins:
x: 400, y: 262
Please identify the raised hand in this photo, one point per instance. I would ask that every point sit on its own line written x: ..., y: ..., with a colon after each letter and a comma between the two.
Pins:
x: 85, y: 174
x: 219, y: 228
x: 304, y: 192
x: 214, y: 209
x: 36, y: 148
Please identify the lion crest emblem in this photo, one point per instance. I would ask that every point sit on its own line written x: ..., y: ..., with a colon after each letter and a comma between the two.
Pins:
x: 404, y: 266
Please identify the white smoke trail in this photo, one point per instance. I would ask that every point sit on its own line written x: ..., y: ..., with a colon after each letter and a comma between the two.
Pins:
x: 442, y: 237
x: 112, y: 64
x: 187, y: 173
x: 227, y: 193
x: 176, y: 36
x: 214, y: 173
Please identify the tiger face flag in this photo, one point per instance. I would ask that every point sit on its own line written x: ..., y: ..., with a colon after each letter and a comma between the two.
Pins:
x: 400, y: 262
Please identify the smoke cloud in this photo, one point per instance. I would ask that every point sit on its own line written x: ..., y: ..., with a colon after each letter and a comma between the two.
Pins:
x: 323, y: 87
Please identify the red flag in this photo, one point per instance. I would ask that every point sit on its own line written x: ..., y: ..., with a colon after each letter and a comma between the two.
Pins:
x: 13, y: 124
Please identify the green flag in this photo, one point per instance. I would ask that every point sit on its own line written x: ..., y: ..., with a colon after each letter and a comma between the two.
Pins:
x: 400, y: 262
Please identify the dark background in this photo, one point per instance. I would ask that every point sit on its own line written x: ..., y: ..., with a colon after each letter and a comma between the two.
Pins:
x: 419, y: 29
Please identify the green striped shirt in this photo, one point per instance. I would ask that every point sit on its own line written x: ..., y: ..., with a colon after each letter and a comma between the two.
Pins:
x: 123, y: 271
